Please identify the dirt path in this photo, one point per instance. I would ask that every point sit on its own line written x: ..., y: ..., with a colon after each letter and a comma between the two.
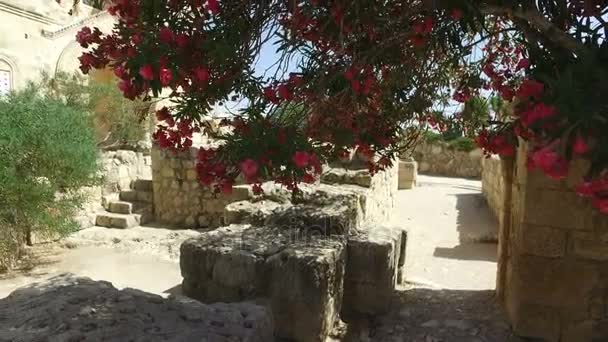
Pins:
x: 446, y: 218
x: 450, y: 272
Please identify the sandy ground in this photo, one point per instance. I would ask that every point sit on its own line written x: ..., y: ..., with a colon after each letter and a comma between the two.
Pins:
x: 142, y: 258
x: 446, y: 218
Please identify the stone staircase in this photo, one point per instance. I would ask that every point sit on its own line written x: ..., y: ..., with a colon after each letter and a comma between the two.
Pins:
x: 130, y: 208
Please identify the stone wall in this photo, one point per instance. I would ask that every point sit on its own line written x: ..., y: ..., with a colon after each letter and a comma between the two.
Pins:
x: 555, y: 259
x: 493, y: 185
x: 438, y: 158
x: 119, y: 170
x: 180, y: 201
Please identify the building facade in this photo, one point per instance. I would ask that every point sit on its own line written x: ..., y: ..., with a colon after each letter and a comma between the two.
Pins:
x: 39, y: 35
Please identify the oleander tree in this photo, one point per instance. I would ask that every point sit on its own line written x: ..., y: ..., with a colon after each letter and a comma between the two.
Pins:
x: 368, y: 73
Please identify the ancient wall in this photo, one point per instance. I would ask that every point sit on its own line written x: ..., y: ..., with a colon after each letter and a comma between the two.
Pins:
x: 438, y: 158
x: 493, y: 185
x: 556, y: 259
x: 180, y: 200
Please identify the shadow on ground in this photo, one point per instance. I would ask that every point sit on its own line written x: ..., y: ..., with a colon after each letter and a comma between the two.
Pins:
x: 435, y: 315
x: 477, y: 229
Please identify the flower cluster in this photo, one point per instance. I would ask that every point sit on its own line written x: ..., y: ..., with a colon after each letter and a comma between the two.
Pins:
x: 366, y: 70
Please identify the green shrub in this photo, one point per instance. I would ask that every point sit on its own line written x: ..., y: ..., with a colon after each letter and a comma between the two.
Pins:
x: 47, y: 152
x: 463, y: 144
x: 113, y: 114
x: 432, y: 137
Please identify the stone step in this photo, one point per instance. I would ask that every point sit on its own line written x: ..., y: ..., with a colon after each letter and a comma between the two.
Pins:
x: 124, y: 207
x: 142, y: 185
x: 137, y: 196
x: 111, y: 220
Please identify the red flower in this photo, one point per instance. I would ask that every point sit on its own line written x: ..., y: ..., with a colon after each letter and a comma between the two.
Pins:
x: 530, y: 89
x: 523, y: 64
x: 308, y: 178
x: 165, y: 77
x: 540, y: 111
x: 586, y: 189
x: 163, y: 114
x: 226, y: 187
x: 580, y: 146
x: 418, y: 41
x: 147, y: 72
x: 182, y: 40
x: 120, y: 71
x: 551, y: 163
x: 601, y: 204
x: 213, y: 6
x: 257, y: 189
x: 202, y: 74
x: 136, y: 39
x: 166, y: 35
x: 271, y: 94
x: 356, y: 86
x: 249, y: 167
x: 457, y: 14
x: 285, y: 92
x: 301, y: 159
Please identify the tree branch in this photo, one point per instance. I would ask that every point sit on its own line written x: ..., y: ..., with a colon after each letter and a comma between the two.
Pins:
x: 547, y: 29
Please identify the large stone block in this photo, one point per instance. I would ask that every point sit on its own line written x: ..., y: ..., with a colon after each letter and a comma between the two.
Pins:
x: 542, y: 241
x: 305, y: 288
x: 66, y: 308
x: 408, y: 174
x: 374, y: 268
x: 299, y: 276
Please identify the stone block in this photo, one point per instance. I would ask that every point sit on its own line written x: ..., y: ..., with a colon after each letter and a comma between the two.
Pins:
x: 145, y: 196
x: 305, y: 288
x: 336, y: 219
x: 554, y: 208
x: 542, y: 241
x: 143, y: 185
x: 128, y: 196
x: 375, y: 259
x: 299, y: 277
x: 249, y: 212
x: 590, y: 246
x: 96, y: 311
x: 120, y: 207
x: 553, y: 283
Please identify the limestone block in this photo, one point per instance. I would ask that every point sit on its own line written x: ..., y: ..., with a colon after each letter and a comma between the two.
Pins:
x: 338, y: 218
x: 305, y: 288
x: 374, y: 263
x: 96, y: 311
x: 590, y: 246
x: 408, y: 174
x: 300, y: 278
x: 249, y: 212
x: 542, y: 241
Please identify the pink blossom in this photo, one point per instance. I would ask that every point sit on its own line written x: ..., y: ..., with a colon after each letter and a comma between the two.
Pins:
x: 580, y: 146
x: 249, y: 167
x: 301, y: 159
x: 165, y: 77
x: 147, y: 72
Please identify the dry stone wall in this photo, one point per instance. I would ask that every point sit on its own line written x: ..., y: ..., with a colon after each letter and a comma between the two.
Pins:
x: 181, y: 201
x: 438, y: 158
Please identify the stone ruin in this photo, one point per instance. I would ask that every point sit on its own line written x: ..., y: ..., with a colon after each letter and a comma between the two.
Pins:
x: 312, y: 263
x: 66, y: 308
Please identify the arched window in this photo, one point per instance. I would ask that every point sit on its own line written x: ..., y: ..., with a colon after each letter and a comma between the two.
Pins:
x: 6, y: 78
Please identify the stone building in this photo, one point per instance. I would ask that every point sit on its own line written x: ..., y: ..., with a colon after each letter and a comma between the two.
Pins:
x: 39, y: 35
